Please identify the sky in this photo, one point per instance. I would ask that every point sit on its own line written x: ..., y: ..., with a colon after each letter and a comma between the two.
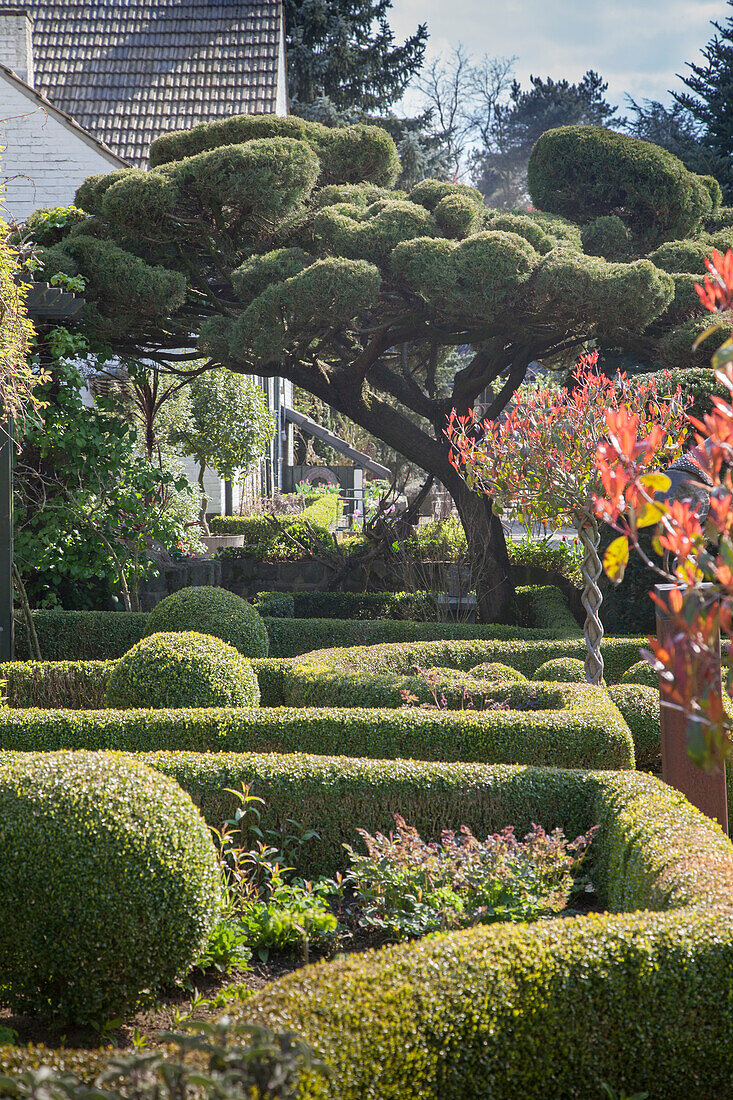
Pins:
x: 636, y: 45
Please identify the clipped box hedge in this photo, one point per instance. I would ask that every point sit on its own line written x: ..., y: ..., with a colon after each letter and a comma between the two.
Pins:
x: 321, y: 513
x: 637, y: 997
x: 107, y: 635
x: 581, y: 727
x: 335, y: 795
x: 540, y: 607
x: 81, y: 685
x: 374, y: 675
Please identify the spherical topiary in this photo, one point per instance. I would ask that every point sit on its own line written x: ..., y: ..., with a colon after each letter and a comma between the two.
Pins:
x: 641, y: 673
x: 564, y: 670
x: 494, y: 670
x: 213, y: 611
x: 182, y: 670
x: 109, y: 885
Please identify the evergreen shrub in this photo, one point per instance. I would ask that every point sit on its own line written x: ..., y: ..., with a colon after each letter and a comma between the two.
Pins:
x: 182, y: 669
x: 215, y: 611
x: 109, y: 884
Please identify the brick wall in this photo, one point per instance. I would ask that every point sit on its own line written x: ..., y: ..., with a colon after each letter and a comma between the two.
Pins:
x: 44, y: 159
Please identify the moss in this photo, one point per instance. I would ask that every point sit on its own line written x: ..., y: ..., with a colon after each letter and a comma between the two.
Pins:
x: 215, y: 611
x: 111, y: 890
x: 182, y: 669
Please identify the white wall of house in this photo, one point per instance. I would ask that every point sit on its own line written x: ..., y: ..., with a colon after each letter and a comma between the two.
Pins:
x: 45, y: 158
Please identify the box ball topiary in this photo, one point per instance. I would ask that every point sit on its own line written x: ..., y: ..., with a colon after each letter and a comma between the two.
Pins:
x: 109, y: 885
x: 182, y: 669
x: 213, y: 611
x: 564, y: 670
x: 495, y: 670
x: 641, y: 673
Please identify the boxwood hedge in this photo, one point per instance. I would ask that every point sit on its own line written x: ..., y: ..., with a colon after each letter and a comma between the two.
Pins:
x: 106, y: 635
x: 109, y: 884
x: 550, y: 1010
x: 374, y: 675
x: 215, y: 611
x: 81, y: 685
x: 580, y: 727
x: 545, y: 1011
x: 182, y: 669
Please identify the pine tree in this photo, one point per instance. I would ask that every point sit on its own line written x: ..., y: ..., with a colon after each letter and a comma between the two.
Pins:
x: 345, y: 50
x: 710, y: 101
x: 499, y: 166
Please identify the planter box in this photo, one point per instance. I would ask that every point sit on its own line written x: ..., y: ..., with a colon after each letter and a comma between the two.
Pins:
x: 220, y: 542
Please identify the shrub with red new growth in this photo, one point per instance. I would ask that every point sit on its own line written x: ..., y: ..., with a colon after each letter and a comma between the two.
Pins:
x: 695, y: 556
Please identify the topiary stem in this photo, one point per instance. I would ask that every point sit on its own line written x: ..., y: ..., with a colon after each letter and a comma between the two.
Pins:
x: 592, y: 568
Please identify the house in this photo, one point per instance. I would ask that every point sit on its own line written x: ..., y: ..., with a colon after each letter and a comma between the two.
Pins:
x: 86, y: 87
x: 46, y: 152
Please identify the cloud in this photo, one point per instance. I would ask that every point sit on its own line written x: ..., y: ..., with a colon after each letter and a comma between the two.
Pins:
x: 638, y: 46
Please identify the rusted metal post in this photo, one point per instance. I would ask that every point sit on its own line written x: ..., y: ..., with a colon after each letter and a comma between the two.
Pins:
x: 706, y: 790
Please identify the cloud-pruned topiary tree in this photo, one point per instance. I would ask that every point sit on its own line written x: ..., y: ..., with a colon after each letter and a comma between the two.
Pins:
x: 276, y: 246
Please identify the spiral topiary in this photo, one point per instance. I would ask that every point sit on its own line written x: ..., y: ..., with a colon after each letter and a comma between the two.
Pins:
x: 641, y: 673
x: 109, y: 888
x: 215, y: 611
x: 182, y: 669
x: 563, y: 670
x: 495, y: 670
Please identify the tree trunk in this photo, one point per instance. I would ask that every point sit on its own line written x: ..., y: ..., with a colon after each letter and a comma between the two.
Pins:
x: 204, y: 498
x: 487, y: 553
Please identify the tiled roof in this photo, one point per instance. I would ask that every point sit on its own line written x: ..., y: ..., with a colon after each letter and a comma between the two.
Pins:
x: 129, y: 70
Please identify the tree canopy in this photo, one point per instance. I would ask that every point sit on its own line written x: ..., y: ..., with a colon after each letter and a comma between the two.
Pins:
x: 709, y: 101
x: 345, y: 51
x: 280, y: 247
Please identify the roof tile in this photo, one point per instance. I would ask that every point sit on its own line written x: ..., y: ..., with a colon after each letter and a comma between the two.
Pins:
x: 129, y: 70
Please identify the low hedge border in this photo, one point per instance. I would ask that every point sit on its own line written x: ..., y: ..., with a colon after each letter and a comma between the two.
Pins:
x: 546, y: 1011
x: 582, y: 728
x: 334, y: 795
x: 374, y: 675
x: 540, y: 607
x: 81, y: 685
x: 323, y: 512
x: 107, y: 635
x: 550, y: 1010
